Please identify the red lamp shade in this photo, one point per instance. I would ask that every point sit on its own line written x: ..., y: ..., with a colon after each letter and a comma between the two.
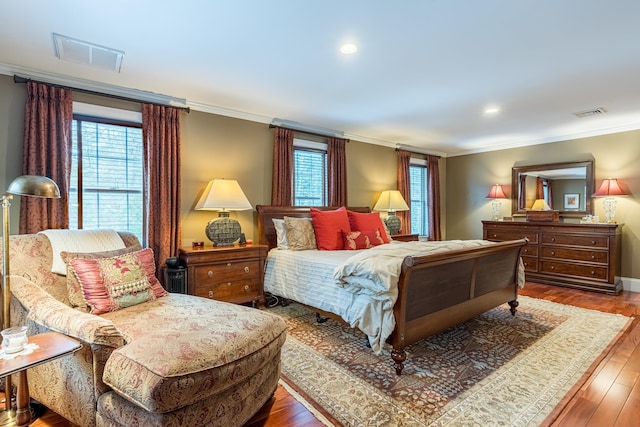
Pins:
x: 610, y: 187
x: 497, y: 192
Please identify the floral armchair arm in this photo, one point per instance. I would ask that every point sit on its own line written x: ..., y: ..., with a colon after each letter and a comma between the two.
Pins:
x: 47, y: 311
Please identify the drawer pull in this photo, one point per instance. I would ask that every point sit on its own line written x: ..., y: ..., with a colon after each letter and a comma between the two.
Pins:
x: 228, y: 283
x: 593, y: 273
x: 593, y: 257
x: 553, y: 239
x: 553, y: 252
x: 246, y: 269
x: 593, y: 242
x: 495, y: 235
x: 526, y: 264
x: 210, y: 294
x: 553, y: 267
x: 246, y: 288
x: 210, y: 273
x: 228, y: 264
x: 526, y: 251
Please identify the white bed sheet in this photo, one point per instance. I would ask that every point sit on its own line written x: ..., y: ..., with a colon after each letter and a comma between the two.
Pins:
x: 307, y: 277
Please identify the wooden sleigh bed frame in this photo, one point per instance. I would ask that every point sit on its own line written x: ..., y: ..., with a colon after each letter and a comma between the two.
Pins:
x: 437, y: 291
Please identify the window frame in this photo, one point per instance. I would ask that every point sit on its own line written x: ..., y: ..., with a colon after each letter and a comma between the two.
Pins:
x: 303, y: 144
x: 424, y: 201
x: 78, y: 118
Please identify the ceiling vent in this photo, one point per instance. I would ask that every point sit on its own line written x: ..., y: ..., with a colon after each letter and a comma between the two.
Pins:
x: 81, y: 52
x: 593, y: 112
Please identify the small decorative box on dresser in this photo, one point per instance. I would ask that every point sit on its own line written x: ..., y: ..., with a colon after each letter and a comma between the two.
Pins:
x: 583, y: 256
x: 226, y: 273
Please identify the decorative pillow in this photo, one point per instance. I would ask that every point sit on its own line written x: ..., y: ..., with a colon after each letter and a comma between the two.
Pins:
x: 329, y: 227
x: 368, y: 221
x: 281, y: 234
x: 300, y: 233
x: 73, y: 285
x: 109, y: 284
x: 362, y: 239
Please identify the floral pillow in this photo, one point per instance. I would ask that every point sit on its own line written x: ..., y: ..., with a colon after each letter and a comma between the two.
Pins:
x: 73, y: 285
x: 109, y: 284
x: 300, y: 233
x: 362, y: 239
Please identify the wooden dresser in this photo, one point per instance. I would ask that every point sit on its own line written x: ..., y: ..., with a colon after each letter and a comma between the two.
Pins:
x: 227, y: 273
x: 583, y: 256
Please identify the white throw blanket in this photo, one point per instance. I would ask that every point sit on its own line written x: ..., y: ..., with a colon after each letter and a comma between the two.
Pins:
x: 80, y: 241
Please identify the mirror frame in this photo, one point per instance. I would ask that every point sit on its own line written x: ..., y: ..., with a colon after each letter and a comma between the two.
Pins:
x: 589, y: 186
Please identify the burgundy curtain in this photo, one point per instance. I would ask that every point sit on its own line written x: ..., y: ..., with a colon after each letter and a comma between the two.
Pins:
x: 404, y: 160
x: 337, y: 171
x: 282, y: 182
x: 46, y: 151
x: 161, y: 140
x: 549, y: 193
x: 522, y: 190
x: 433, y: 195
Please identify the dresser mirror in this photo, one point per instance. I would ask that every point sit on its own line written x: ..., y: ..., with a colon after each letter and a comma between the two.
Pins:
x: 565, y: 187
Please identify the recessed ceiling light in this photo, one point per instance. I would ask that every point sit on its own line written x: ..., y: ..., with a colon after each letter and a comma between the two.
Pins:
x: 348, y: 48
x: 492, y: 110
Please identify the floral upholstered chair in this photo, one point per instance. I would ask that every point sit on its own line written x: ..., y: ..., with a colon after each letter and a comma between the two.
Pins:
x: 173, y: 360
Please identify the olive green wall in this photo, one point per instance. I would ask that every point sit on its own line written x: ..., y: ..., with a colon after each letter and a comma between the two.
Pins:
x: 616, y: 155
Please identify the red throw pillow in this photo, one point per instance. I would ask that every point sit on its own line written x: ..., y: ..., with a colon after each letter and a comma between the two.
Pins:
x: 367, y: 221
x: 362, y: 239
x: 329, y: 226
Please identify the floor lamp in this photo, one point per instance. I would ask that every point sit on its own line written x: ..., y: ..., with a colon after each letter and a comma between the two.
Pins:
x: 25, y: 185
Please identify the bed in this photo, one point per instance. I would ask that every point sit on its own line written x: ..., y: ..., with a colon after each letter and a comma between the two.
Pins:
x: 449, y: 283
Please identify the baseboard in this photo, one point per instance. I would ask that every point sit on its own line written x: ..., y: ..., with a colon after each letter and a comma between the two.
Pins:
x: 630, y: 284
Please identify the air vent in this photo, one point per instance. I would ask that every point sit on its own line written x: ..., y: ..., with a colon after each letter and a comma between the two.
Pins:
x: 593, y: 112
x: 81, y: 52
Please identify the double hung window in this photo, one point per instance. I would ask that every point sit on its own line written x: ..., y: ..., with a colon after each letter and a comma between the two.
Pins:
x: 309, y: 173
x: 106, y: 188
x: 418, y: 190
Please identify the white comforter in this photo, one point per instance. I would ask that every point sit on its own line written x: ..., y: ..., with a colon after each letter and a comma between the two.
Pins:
x: 359, y: 286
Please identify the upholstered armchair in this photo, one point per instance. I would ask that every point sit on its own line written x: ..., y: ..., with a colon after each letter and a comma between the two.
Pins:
x: 178, y: 360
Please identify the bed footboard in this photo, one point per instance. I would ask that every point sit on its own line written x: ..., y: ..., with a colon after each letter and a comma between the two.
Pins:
x: 436, y: 292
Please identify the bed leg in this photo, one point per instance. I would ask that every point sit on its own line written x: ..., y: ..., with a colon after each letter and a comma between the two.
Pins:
x: 398, y: 356
x: 514, y: 305
x: 320, y: 319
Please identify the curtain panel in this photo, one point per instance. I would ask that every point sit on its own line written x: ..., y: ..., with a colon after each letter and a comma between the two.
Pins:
x: 161, y: 142
x: 433, y: 196
x: 47, y: 152
x: 336, y: 172
x: 404, y: 161
x: 282, y: 181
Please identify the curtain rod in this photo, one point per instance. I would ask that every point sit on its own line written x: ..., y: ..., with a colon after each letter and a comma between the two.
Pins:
x: 19, y: 79
x: 325, y: 135
x: 418, y: 152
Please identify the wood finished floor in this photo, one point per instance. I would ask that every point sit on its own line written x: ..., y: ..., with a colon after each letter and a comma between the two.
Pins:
x: 609, y: 397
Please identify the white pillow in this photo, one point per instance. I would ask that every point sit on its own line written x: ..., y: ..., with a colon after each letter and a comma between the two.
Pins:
x: 281, y: 234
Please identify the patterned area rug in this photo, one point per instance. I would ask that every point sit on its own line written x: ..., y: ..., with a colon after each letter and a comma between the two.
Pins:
x: 495, y: 370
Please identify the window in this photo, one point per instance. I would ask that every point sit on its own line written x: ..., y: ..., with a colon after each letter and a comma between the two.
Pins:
x: 309, y: 173
x: 106, y: 189
x: 418, y: 190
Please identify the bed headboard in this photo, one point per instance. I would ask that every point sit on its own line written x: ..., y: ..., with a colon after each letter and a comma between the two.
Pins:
x: 266, y: 229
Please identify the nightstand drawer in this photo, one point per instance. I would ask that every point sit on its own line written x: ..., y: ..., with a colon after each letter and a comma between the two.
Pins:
x: 229, y: 291
x: 230, y: 271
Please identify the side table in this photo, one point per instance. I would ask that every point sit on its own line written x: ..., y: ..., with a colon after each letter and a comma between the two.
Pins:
x: 51, y: 345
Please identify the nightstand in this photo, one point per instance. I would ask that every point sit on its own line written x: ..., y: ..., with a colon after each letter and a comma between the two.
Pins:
x: 405, y: 237
x: 226, y: 273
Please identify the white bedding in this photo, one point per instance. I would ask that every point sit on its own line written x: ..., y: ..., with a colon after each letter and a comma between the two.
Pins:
x: 359, y: 286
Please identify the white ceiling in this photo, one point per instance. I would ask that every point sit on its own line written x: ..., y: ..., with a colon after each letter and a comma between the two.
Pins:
x: 424, y: 72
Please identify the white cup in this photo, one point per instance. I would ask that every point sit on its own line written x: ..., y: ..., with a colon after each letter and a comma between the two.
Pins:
x: 14, y: 339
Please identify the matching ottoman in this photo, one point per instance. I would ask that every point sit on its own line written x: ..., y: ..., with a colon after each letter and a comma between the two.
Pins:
x: 190, y: 362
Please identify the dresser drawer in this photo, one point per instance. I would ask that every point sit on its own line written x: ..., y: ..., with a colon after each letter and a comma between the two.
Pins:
x: 529, y: 250
x: 228, y: 291
x: 530, y: 264
x: 502, y: 235
x: 575, y: 240
x: 572, y: 269
x: 601, y: 257
x: 226, y: 272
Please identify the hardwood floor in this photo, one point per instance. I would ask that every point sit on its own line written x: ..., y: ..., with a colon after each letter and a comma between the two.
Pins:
x: 609, y: 398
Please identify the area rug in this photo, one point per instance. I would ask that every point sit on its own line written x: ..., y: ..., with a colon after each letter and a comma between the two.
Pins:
x: 495, y: 370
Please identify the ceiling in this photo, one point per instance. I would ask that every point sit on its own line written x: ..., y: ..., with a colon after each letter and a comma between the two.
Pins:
x: 423, y: 74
